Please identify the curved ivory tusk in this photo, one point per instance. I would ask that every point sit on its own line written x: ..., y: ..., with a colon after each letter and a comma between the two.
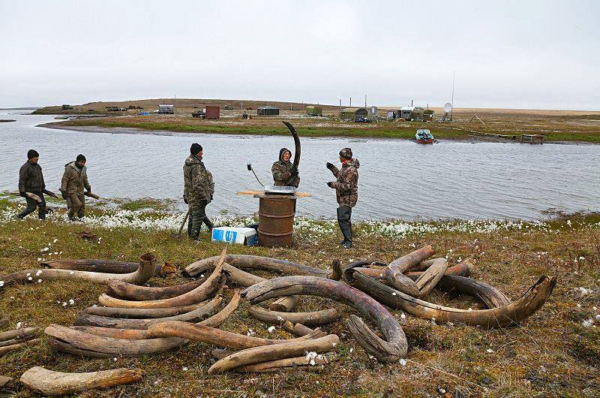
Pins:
x: 507, y: 315
x: 274, y: 352
x: 218, y: 337
x: 256, y: 262
x: 120, y: 323
x: 105, y: 266
x: 386, y: 351
x: 141, y: 313
x: 18, y: 346
x: 316, y: 318
x: 128, y: 291
x: 430, y: 278
x: 304, y: 362
x: 201, y: 293
x: 394, y: 273
x: 48, y: 382
x: 144, y: 272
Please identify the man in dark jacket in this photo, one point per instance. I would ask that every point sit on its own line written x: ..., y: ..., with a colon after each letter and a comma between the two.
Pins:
x: 346, y: 190
x: 32, y: 186
x: 198, y: 191
x: 284, y: 173
x: 74, y: 181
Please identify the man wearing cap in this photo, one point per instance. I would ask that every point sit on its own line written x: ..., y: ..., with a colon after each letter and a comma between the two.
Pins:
x: 198, y: 191
x: 32, y: 186
x: 284, y: 173
x: 346, y: 190
x: 74, y: 181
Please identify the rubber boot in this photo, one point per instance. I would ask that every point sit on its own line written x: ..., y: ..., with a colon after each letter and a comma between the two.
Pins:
x: 347, y: 231
x: 42, y: 212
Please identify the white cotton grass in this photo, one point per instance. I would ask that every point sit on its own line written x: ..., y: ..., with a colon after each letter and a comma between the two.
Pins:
x: 588, y: 323
x: 271, y: 329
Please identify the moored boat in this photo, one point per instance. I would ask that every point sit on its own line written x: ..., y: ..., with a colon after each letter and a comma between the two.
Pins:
x: 424, y: 136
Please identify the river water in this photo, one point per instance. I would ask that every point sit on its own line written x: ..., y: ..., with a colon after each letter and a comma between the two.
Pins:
x: 398, y: 178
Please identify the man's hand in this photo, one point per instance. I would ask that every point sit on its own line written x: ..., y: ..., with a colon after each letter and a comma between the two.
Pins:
x: 294, y: 171
x: 330, y: 184
x: 330, y: 166
x: 64, y: 195
x: 185, y: 200
x: 22, y: 194
x: 211, y: 197
x: 50, y: 193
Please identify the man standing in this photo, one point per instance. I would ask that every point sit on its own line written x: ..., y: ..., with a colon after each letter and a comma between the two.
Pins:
x: 284, y: 173
x: 346, y: 189
x: 74, y: 181
x: 198, y: 191
x: 32, y: 186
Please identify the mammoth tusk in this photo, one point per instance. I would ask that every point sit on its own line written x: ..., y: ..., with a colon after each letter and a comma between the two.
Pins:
x: 305, y: 363
x: 201, y: 293
x: 145, y: 271
x: 105, y: 266
x: 218, y: 337
x: 508, y: 315
x: 141, y: 313
x: 394, y: 273
x: 385, y: 351
x: 103, y: 321
x: 18, y: 346
x: 316, y: 318
x: 128, y: 291
x: 430, y: 278
x: 48, y: 382
x: 292, y: 349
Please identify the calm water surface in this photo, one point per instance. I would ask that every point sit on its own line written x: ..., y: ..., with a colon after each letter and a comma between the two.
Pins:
x: 398, y: 179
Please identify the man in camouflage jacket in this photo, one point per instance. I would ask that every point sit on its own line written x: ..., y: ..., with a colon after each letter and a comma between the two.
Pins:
x: 284, y: 174
x: 31, y: 181
x: 346, y: 190
x: 73, y: 183
x: 198, y: 191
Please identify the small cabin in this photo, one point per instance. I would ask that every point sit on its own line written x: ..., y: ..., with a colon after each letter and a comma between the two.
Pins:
x: 354, y: 113
x: 428, y: 115
x: 212, y: 112
x: 267, y: 111
x: 166, y: 109
x: 314, y: 111
x: 66, y: 107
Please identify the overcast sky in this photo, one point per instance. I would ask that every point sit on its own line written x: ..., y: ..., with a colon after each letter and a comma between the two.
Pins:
x: 507, y: 54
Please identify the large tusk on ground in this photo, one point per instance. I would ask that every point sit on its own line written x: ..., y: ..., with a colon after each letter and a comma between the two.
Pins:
x: 144, y: 272
x: 316, y: 318
x: 394, y: 273
x: 274, y: 352
x: 489, y: 295
x: 201, y: 293
x: 218, y: 337
x: 510, y: 314
x: 298, y: 329
x: 385, y: 351
x: 299, y: 363
x: 192, y: 316
x: 105, y: 266
x: 48, y: 382
x: 430, y: 278
x: 141, y: 313
x: 129, y: 291
x: 18, y: 346
x: 243, y: 261
x: 19, y: 334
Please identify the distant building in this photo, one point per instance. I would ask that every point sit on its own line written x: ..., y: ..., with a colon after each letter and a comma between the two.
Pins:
x: 428, y: 115
x: 267, y: 111
x: 212, y: 112
x: 406, y: 112
x: 354, y: 113
x: 314, y: 111
x: 166, y: 109
x: 66, y: 107
x: 412, y: 113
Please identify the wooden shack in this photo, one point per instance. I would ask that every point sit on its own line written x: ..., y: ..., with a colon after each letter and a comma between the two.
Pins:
x: 354, y: 113
x: 267, y: 111
x: 314, y: 111
x: 212, y: 112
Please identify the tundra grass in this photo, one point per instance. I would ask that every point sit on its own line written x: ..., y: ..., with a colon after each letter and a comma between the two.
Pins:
x: 556, y: 352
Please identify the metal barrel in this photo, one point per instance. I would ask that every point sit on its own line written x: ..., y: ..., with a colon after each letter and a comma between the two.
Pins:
x: 276, y: 221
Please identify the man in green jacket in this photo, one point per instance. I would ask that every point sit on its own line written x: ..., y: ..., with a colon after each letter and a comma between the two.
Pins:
x: 32, y: 186
x: 284, y: 173
x: 198, y: 191
x: 74, y: 181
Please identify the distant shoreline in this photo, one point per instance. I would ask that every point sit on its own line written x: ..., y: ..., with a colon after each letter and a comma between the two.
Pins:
x: 468, y: 138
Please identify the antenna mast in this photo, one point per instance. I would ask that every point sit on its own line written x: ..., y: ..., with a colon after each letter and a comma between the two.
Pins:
x: 453, y: 80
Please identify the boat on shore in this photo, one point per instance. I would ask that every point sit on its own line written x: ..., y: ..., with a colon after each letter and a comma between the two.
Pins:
x: 424, y: 136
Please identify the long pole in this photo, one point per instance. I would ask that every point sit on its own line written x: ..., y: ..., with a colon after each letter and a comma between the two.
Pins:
x: 453, y: 80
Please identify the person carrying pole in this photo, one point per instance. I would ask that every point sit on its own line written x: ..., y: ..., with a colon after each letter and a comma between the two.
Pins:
x: 284, y: 173
x: 32, y: 186
x: 198, y: 191
x: 73, y: 183
x: 346, y: 189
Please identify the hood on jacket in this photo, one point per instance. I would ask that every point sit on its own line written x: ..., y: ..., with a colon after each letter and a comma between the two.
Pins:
x: 192, y: 159
x: 281, y: 152
x: 73, y: 165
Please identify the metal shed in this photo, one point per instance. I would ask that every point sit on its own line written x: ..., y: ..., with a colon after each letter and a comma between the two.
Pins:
x: 353, y: 113
x: 212, y: 112
x: 267, y: 111
x: 314, y: 111
x: 406, y: 112
x: 166, y: 109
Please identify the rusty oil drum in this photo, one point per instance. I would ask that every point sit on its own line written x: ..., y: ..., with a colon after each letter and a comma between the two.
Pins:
x: 276, y: 221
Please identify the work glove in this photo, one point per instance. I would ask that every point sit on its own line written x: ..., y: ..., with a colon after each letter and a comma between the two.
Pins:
x: 330, y: 184
x: 211, y: 197
x: 330, y: 166
x: 185, y: 200
x: 22, y: 194
x: 64, y: 195
x: 50, y: 193
x: 294, y: 172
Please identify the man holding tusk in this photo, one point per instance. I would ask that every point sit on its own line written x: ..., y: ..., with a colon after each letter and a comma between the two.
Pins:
x: 284, y: 173
x: 346, y: 190
x: 32, y: 186
x: 73, y: 183
x: 198, y: 191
